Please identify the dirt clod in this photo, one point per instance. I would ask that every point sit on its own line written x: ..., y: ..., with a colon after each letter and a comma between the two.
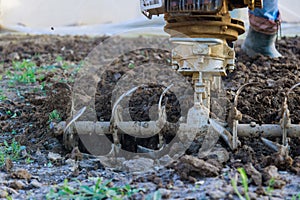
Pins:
x: 17, y: 185
x: 21, y: 174
x: 189, y: 166
x: 271, y: 173
x: 254, y: 174
x: 8, y: 165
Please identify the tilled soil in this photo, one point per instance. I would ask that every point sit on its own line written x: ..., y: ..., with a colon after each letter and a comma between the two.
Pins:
x: 24, y: 115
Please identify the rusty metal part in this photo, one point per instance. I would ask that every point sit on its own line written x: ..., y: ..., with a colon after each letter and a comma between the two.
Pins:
x: 204, y: 26
x: 191, y: 7
x: 253, y: 4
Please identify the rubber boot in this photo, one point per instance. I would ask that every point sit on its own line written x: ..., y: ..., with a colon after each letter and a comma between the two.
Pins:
x: 260, y: 43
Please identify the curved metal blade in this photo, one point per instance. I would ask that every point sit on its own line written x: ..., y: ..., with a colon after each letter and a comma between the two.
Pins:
x: 210, y: 140
x: 75, y: 117
x: 227, y: 137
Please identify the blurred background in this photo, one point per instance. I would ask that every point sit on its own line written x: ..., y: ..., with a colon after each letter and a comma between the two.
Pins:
x: 98, y: 17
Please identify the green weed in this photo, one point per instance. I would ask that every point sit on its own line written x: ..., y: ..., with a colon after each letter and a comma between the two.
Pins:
x: 28, y: 160
x: 296, y: 197
x: 12, y: 151
x: 24, y: 72
x: 54, y: 116
x: 270, y: 187
x: 64, y: 65
x: 2, y: 96
x: 244, y: 180
x: 131, y: 65
x: 100, y: 190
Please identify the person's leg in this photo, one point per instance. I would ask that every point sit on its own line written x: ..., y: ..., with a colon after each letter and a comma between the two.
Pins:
x: 263, y: 29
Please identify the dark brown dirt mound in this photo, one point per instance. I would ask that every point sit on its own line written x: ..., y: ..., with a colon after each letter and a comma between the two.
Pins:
x: 262, y: 103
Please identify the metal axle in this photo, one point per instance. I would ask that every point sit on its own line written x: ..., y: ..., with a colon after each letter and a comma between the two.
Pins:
x: 148, y: 129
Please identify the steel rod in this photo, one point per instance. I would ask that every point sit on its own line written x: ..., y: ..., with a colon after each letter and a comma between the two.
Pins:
x: 147, y: 129
x: 267, y: 130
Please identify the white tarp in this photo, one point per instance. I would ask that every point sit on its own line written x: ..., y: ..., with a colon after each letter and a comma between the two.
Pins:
x: 46, y: 13
x: 92, y: 16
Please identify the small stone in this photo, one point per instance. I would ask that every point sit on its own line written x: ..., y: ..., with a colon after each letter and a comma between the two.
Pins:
x: 41, y: 159
x: 270, y: 82
x: 157, y: 180
x: 253, y: 68
x: 76, y: 154
x: 71, y: 162
x: 217, y: 194
x: 252, y: 195
x: 117, y: 76
x: 165, y: 160
x: 164, y: 193
x: 3, y: 194
x: 8, y: 165
x: 271, y: 172
x: 220, y: 154
x: 17, y: 185
x: 14, y: 56
x: 179, y: 183
x: 35, y: 183
x: 189, y: 165
x: 242, y: 67
x: 54, y: 156
x: 138, y: 165
x: 199, y: 182
x: 190, y: 198
x: 21, y: 174
x: 254, y: 174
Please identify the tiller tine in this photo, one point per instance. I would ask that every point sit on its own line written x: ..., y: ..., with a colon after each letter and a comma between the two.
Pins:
x: 210, y: 140
x: 272, y: 145
x: 226, y: 135
x: 116, y: 122
x: 285, y: 124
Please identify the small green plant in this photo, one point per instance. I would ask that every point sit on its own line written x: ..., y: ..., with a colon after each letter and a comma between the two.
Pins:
x: 2, y: 96
x: 2, y: 158
x: 9, y: 198
x: 270, y: 187
x: 296, y: 197
x: 24, y: 72
x: 12, y: 151
x: 64, y: 65
x: 131, y: 65
x: 100, y: 190
x: 54, y: 116
x: 244, y: 180
x: 28, y: 160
